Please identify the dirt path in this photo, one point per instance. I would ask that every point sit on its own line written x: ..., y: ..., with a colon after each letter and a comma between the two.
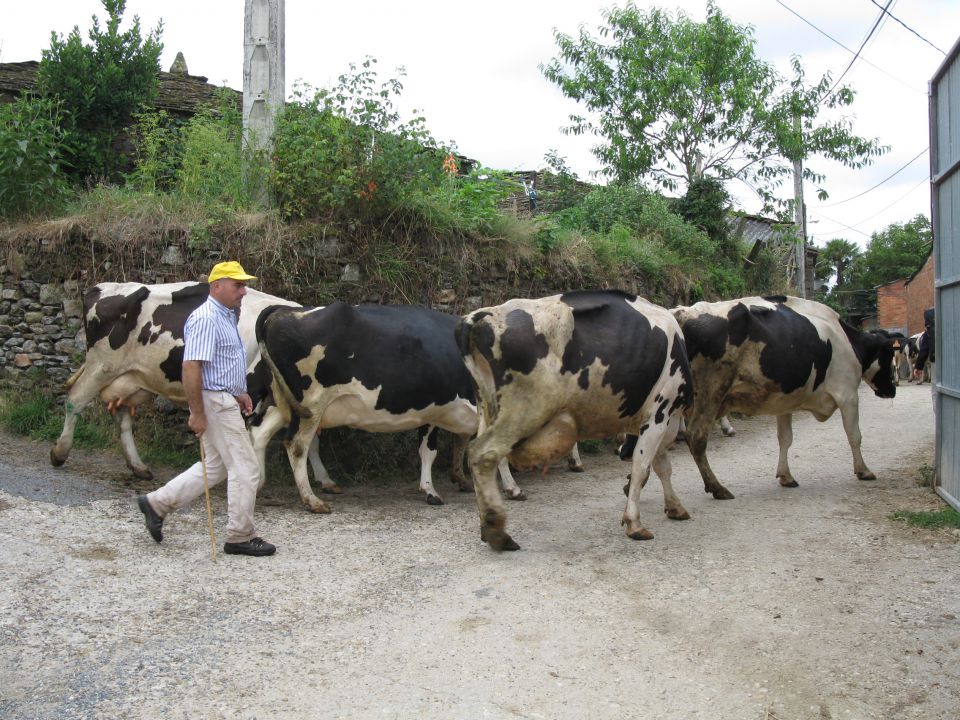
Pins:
x: 786, y: 604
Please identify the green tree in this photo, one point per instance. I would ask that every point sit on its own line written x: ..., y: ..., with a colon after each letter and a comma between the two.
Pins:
x: 100, y: 86
x: 893, y: 253
x: 706, y: 204
x: 835, y: 259
x: 674, y: 100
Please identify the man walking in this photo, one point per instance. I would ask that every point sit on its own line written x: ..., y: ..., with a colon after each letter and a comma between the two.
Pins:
x: 215, y: 383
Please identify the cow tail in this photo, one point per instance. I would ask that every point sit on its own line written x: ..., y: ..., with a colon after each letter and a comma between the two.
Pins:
x: 278, y: 382
x: 72, y: 380
x: 478, y: 365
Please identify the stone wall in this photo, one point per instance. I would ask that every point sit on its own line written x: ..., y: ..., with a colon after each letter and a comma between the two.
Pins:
x: 43, y: 281
x: 40, y: 321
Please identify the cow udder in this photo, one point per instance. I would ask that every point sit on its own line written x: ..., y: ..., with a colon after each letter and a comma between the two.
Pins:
x: 551, y: 442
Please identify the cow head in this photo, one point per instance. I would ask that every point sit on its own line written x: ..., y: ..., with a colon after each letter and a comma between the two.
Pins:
x: 875, y: 351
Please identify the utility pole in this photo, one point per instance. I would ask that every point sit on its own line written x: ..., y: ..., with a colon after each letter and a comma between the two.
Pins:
x: 800, y: 218
x: 263, y: 71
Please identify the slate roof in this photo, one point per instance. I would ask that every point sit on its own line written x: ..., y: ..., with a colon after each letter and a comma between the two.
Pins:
x: 178, y: 94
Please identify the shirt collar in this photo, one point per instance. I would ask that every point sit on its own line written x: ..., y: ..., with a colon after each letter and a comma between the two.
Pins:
x: 221, y: 308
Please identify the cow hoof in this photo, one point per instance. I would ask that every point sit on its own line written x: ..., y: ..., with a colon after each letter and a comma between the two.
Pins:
x: 498, y: 539
x: 56, y: 460
x: 787, y: 482
x: 866, y: 475
x: 318, y: 506
x: 729, y: 433
x: 142, y: 473
x: 331, y: 489
x: 434, y: 499
x: 676, y: 513
x: 641, y: 534
x: 518, y: 495
x: 721, y: 493
x: 575, y: 467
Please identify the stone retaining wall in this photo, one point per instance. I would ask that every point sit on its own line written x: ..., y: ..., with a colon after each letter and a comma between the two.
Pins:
x: 41, y: 323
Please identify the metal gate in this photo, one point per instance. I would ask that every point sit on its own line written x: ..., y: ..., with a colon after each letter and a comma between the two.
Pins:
x: 945, y: 215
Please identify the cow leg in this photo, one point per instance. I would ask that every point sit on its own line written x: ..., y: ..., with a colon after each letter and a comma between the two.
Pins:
x: 663, y: 467
x: 510, y: 487
x: 484, y: 456
x: 850, y: 413
x: 573, y: 460
x: 320, y: 474
x: 87, y: 384
x: 297, y: 451
x: 646, y: 449
x: 261, y: 434
x: 726, y: 428
x: 130, y: 454
x: 428, y: 453
x: 698, y: 430
x: 456, y: 471
x: 785, y: 440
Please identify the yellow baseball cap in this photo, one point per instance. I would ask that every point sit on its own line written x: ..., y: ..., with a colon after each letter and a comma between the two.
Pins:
x: 230, y: 269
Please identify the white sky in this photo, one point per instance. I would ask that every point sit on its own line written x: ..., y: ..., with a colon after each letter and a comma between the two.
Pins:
x: 472, y: 69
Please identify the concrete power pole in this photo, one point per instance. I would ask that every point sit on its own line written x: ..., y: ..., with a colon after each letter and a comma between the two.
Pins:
x: 263, y: 70
x: 800, y: 218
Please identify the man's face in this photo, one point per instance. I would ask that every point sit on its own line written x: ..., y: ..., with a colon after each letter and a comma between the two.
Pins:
x: 228, y: 292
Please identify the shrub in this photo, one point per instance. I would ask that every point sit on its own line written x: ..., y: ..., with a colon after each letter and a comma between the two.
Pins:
x: 343, y: 153
x: 101, y: 86
x: 31, y: 157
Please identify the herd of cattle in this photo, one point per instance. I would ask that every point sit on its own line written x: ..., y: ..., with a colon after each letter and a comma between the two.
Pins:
x: 528, y: 378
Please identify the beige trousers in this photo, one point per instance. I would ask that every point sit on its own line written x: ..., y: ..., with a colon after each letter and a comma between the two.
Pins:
x: 230, y: 455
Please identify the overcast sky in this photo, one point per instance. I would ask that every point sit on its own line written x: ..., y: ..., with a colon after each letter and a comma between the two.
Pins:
x: 472, y: 69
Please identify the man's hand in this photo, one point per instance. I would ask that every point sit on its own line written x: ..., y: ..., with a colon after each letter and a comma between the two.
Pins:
x: 198, y: 423
x: 245, y: 403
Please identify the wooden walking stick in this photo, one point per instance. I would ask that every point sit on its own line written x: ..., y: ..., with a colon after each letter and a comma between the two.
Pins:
x: 206, y: 491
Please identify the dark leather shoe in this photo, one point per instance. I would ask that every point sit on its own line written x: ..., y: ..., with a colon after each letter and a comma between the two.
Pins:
x: 258, y: 547
x: 153, y: 521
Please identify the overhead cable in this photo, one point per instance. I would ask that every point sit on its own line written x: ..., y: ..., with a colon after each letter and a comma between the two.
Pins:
x: 894, y: 174
x: 908, y: 27
x: 834, y: 40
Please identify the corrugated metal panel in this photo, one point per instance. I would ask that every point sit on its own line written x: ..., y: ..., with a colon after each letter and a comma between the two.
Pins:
x: 945, y: 213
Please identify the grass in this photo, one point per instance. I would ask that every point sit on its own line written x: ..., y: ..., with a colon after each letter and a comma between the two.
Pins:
x: 929, y: 519
x: 35, y: 413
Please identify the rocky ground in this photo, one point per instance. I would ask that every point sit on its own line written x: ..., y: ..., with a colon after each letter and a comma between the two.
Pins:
x: 782, y: 604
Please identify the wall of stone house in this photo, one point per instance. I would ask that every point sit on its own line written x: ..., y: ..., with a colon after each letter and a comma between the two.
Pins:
x: 892, y: 306
x: 919, y: 291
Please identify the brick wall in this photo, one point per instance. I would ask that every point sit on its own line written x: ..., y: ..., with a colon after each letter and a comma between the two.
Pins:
x: 892, y: 306
x: 919, y: 290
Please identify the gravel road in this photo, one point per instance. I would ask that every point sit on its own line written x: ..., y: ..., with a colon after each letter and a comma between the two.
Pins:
x: 783, y: 604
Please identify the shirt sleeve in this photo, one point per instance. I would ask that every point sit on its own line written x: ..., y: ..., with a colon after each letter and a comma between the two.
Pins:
x: 199, y: 339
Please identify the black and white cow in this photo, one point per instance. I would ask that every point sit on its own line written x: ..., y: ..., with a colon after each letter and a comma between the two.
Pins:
x: 585, y: 364
x: 776, y: 356
x: 134, y: 335
x: 380, y: 368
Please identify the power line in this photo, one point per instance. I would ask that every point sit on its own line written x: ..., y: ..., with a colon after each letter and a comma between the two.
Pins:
x: 860, y: 49
x: 908, y: 27
x: 837, y: 42
x: 892, y: 175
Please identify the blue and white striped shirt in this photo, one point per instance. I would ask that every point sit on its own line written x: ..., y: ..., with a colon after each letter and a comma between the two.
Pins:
x: 211, y: 336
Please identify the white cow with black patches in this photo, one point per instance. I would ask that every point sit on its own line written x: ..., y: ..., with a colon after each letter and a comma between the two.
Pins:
x: 586, y: 364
